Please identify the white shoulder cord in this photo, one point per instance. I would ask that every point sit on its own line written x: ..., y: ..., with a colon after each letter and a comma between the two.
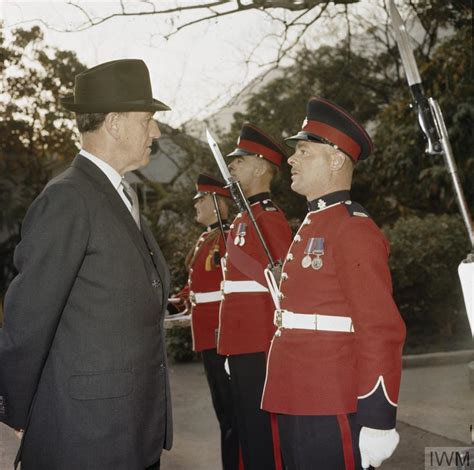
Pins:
x: 273, y: 287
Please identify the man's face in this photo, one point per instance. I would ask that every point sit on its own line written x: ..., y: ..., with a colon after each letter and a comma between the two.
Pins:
x: 137, y: 131
x: 311, y: 169
x: 243, y: 169
x: 205, y: 211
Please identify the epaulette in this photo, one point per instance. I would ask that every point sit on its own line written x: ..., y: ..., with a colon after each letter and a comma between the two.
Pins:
x: 268, y: 205
x: 355, y: 209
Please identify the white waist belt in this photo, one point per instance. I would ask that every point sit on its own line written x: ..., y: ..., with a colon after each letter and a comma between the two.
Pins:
x: 304, y: 321
x: 205, y: 297
x: 228, y: 287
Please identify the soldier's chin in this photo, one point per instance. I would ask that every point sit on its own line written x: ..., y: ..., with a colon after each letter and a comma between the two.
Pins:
x: 295, y: 188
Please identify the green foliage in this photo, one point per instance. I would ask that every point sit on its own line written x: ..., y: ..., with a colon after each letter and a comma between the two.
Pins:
x: 401, y: 177
x: 179, y: 343
x: 35, y: 132
x: 425, y: 254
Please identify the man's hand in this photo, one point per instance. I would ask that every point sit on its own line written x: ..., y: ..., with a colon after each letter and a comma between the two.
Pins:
x: 377, y: 445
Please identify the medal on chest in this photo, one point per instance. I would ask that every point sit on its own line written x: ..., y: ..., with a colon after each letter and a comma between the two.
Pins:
x: 239, y: 240
x: 313, y: 254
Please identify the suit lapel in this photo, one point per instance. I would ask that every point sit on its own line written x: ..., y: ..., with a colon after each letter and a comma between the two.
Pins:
x: 159, y: 260
x: 118, y: 207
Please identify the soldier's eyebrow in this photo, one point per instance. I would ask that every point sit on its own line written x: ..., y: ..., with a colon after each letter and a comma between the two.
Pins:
x: 302, y: 145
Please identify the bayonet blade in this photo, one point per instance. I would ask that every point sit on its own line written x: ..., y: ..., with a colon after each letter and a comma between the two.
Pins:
x: 403, y: 43
x: 218, y: 157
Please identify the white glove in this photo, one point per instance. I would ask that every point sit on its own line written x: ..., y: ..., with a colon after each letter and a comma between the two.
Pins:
x: 226, y: 366
x: 377, y: 445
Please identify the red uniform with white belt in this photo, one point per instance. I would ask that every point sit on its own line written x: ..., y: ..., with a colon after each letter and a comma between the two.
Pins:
x: 340, y: 337
x: 246, y: 314
x: 204, y: 284
x: 334, y: 366
x: 204, y: 294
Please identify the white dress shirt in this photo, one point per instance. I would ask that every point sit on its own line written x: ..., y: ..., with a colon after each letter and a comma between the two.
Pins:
x: 111, y: 174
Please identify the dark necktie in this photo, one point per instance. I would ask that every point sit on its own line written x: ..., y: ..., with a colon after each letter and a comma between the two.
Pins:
x: 133, y: 198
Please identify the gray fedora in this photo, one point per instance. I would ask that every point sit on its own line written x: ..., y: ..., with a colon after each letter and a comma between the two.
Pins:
x: 116, y: 86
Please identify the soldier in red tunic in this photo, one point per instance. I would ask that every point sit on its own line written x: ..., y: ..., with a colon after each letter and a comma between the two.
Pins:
x: 335, y: 362
x: 204, y: 294
x: 246, y: 313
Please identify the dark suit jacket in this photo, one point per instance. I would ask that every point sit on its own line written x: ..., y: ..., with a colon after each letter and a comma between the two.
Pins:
x: 82, y: 357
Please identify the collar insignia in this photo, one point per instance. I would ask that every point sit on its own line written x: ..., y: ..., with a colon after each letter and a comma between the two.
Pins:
x: 321, y: 204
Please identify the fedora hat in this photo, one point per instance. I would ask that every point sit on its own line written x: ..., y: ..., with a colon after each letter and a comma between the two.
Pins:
x: 116, y: 86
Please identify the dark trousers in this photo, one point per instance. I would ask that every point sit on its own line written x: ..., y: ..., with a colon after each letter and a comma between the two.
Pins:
x: 320, y: 442
x: 221, y: 394
x: 247, y: 372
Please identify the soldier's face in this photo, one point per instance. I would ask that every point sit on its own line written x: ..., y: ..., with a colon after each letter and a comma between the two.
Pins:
x: 311, y: 173
x: 205, y: 211
x: 243, y: 169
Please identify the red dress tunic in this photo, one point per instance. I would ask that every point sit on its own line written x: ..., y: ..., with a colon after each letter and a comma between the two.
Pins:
x: 312, y: 372
x: 246, y: 318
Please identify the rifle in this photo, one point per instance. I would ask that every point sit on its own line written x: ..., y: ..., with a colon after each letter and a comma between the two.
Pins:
x: 431, y: 121
x: 239, y: 196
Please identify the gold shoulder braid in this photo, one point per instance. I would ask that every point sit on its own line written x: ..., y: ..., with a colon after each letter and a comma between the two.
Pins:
x: 213, y: 236
x: 213, y: 258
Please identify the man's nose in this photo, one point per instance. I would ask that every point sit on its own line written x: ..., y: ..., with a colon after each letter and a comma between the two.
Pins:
x: 292, y: 160
x: 155, y: 130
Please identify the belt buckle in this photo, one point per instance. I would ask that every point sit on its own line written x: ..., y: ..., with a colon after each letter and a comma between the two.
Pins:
x: 316, y: 322
x: 192, y: 298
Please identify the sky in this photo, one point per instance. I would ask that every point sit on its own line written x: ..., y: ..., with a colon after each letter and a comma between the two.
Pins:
x: 195, y: 71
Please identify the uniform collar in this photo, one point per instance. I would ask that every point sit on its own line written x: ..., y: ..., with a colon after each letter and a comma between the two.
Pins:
x: 216, y: 225
x: 328, y: 200
x: 259, y: 197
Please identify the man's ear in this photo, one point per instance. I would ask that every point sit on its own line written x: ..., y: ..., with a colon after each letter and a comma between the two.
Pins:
x: 112, y: 124
x: 260, y: 167
x: 337, y: 160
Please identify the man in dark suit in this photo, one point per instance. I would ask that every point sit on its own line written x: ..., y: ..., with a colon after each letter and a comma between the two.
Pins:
x: 83, y: 368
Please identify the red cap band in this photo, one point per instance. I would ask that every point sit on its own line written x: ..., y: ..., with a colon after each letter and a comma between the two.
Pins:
x: 259, y: 149
x: 207, y: 188
x: 335, y: 136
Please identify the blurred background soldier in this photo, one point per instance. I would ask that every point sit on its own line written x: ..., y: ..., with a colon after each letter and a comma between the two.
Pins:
x: 246, y: 315
x: 203, y: 293
x: 335, y: 362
